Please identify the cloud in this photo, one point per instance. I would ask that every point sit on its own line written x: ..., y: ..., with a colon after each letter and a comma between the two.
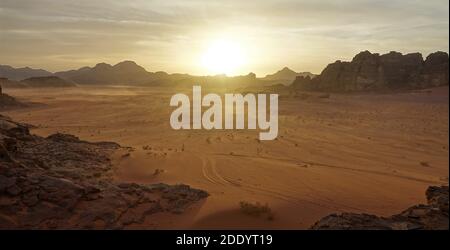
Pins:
x: 168, y: 35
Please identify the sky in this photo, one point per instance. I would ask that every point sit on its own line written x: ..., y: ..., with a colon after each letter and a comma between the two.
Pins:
x: 177, y: 35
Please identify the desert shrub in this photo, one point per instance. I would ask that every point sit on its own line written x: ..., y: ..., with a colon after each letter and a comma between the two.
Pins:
x: 424, y: 164
x: 256, y: 209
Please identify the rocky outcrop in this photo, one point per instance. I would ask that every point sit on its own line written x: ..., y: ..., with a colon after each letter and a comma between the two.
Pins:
x: 435, y: 70
x: 303, y: 83
x: 432, y: 216
x: 64, y: 182
x: 285, y: 76
x: 390, y: 71
x: 7, y: 101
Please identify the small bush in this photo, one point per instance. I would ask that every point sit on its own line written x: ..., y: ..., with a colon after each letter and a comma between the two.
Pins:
x: 424, y: 164
x: 256, y: 210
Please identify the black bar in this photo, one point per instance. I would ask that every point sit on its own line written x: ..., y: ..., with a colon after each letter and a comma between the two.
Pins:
x: 74, y: 239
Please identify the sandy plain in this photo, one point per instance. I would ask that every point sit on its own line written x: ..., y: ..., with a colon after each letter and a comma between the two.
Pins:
x: 364, y: 153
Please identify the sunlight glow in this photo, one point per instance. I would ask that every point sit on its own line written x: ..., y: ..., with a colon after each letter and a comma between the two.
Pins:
x: 223, y: 57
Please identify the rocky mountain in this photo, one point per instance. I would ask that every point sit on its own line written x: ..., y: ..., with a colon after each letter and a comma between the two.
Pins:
x: 62, y: 182
x: 285, y: 76
x: 18, y: 74
x: 126, y: 72
x: 369, y: 71
x: 130, y: 73
x: 433, y: 216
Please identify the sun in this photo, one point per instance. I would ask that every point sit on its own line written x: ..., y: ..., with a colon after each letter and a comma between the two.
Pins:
x: 223, y: 57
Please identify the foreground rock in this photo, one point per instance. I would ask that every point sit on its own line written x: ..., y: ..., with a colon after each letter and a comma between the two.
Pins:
x: 390, y: 71
x: 63, y: 182
x: 433, y: 216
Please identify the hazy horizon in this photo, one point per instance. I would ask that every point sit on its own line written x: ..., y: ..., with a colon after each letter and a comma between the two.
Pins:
x: 189, y: 37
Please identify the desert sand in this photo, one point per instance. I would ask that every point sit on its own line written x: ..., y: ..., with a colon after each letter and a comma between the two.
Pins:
x: 363, y: 153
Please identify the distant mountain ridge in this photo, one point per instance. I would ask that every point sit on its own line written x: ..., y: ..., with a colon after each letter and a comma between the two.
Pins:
x: 366, y: 71
x: 126, y: 72
x: 286, y: 76
x: 130, y: 73
x: 18, y: 74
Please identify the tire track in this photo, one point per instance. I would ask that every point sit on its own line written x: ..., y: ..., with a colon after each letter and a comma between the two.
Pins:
x: 205, y: 171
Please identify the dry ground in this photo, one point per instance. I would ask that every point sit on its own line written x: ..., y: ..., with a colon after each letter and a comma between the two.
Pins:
x: 372, y: 153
